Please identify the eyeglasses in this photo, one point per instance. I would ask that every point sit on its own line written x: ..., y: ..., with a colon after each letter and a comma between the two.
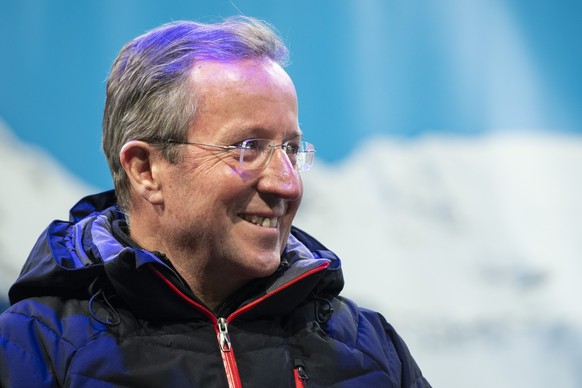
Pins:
x: 255, y: 154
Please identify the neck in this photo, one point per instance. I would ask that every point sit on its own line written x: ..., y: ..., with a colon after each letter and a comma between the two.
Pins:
x: 210, y: 283
x: 212, y: 287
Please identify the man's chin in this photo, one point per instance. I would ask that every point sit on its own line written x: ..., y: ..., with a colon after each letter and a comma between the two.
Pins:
x: 260, y: 265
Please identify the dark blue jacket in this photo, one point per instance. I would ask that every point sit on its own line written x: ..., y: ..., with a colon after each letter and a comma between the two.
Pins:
x: 89, y: 310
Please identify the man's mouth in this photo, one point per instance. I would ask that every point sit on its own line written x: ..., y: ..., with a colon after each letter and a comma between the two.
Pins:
x: 261, y: 221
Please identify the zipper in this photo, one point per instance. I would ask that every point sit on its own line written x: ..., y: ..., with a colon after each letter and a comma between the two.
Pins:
x: 299, y: 374
x: 228, y: 359
x: 223, y: 337
x: 221, y: 327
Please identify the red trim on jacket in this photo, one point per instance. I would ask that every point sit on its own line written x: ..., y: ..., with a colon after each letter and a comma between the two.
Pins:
x: 227, y: 353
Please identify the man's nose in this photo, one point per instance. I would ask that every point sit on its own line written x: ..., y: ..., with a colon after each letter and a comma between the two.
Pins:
x: 280, y: 177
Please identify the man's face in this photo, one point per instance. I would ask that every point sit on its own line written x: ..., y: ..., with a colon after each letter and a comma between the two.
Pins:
x: 213, y: 212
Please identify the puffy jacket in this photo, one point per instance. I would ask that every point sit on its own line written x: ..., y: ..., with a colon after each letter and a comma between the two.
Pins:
x: 92, y: 309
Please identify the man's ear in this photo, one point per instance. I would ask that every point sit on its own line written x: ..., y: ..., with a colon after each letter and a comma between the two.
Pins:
x: 140, y: 161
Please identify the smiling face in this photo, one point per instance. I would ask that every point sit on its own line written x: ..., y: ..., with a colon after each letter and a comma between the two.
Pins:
x: 217, y: 222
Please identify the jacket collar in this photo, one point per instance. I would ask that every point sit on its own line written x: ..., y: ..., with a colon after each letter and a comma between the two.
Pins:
x: 69, y: 256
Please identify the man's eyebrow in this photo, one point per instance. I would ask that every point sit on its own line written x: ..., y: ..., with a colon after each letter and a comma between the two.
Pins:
x: 260, y: 132
x: 298, y: 133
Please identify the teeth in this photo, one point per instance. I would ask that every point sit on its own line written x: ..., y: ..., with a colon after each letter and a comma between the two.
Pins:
x: 261, y: 221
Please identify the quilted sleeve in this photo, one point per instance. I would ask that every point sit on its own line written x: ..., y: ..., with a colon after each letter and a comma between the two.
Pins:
x: 33, y: 351
x: 411, y: 375
x: 22, y: 353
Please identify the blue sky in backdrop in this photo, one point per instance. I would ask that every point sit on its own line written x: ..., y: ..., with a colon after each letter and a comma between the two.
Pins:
x: 362, y: 68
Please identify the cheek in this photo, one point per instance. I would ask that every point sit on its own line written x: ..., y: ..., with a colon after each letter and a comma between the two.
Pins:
x: 293, y: 206
x: 222, y: 194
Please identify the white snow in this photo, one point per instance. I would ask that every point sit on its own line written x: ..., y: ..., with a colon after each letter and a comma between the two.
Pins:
x: 35, y: 191
x: 471, y: 247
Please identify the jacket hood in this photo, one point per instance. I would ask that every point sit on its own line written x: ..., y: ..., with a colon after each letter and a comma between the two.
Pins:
x: 72, y: 258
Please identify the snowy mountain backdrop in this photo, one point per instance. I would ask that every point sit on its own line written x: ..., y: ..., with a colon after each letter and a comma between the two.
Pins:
x: 35, y: 191
x: 471, y: 247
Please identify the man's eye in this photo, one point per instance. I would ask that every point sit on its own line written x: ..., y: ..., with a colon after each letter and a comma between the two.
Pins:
x: 250, y: 144
x: 292, y: 148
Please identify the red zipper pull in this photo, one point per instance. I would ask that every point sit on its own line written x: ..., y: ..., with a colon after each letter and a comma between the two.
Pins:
x: 299, y: 373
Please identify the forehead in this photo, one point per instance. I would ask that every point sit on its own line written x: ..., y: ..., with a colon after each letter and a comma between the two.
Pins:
x: 250, y: 75
x: 243, y: 94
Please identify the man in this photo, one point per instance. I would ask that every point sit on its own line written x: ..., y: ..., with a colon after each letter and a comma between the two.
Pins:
x: 191, y: 274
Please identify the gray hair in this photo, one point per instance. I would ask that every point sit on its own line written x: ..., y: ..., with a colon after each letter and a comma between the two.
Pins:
x: 149, y: 95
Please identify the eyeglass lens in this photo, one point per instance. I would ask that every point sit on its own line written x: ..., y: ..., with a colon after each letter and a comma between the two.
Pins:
x: 256, y: 154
